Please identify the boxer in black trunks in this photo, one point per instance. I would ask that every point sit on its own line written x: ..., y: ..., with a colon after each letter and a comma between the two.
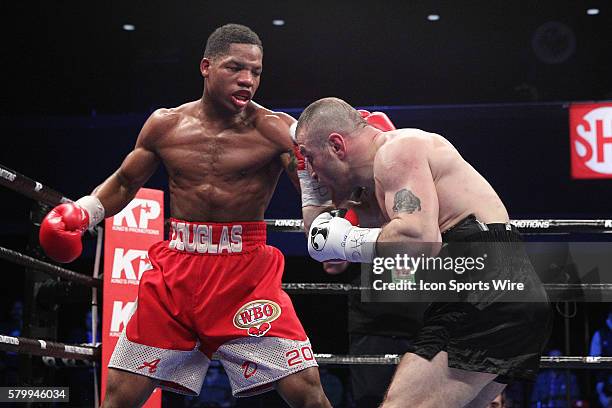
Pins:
x: 420, y: 191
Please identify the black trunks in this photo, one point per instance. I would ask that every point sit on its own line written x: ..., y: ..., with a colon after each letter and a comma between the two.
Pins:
x: 490, y: 331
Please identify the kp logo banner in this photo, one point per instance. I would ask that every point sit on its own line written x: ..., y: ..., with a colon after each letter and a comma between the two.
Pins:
x: 127, y: 236
x: 591, y: 140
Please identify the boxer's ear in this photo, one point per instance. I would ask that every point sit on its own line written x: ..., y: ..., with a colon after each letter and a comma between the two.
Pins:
x: 337, y: 144
x: 205, y: 67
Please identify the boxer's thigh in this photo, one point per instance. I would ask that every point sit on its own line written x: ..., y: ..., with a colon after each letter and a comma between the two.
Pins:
x: 431, y: 383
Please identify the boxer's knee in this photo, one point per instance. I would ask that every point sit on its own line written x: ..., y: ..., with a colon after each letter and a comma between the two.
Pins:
x: 125, y: 389
x: 303, y: 390
x: 315, y: 398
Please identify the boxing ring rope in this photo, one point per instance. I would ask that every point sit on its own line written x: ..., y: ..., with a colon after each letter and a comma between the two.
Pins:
x: 30, y: 188
x: 90, y: 353
x: 339, y: 288
x: 553, y: 289
x: 30, y: 262
x: 49, y: 348
x: 528, y: 227
x: 563, y: 292
x: 37, y: 191
x: 558, y: 362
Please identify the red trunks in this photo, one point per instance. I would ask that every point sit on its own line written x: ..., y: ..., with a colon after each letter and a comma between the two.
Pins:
x: 214, y: 288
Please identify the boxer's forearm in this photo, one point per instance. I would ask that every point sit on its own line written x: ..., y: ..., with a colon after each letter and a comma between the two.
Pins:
x: 121, y: 187
x: 418, y: 239
x: 115, y: 193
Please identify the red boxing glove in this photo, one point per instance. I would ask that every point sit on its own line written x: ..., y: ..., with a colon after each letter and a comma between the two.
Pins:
x: 352, y: 217
x: 301, y: 161
x: 61, y: 231
x: 380, y: 121
x: 364, y: 113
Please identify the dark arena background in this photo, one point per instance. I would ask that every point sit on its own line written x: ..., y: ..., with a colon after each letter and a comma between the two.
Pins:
x: 496, y: 78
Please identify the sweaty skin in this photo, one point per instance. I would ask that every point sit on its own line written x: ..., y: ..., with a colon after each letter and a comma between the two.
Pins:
x: 417, y: 185
x: 223, y: 153
x: 216, y: 172
x: 436, y: 190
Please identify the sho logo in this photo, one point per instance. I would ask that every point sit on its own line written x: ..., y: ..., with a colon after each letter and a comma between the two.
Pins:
x: 591, y: 140
x: 137, y: 214
x: 121, y: 315
x: 123, y: 263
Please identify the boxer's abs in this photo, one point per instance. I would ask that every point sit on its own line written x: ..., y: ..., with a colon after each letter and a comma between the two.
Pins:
x: 223, y: 201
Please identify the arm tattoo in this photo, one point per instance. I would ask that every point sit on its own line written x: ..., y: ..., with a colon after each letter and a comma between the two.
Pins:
x: 406, y: 201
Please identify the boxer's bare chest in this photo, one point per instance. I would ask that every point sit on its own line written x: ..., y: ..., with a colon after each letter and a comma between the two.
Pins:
x: 193, y: 151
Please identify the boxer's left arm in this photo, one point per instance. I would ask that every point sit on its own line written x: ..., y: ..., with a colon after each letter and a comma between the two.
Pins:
x: 279, y: 126
x: 410, y: 197
x: 289, y: 161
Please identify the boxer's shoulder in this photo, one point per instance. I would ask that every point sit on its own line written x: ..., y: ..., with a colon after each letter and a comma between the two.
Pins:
x: 159, y: 125
x: 401, y: 145
x: 274, y: 125
x: 268, y: 117
x: 165, y: 118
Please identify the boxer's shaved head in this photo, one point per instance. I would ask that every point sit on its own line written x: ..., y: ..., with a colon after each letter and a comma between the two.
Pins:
x: 326, y: 116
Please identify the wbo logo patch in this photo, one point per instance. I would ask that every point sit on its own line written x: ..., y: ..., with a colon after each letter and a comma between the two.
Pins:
x: 256, y: 317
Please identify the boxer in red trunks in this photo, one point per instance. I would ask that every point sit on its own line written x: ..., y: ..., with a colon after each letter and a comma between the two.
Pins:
x: 215, y: 286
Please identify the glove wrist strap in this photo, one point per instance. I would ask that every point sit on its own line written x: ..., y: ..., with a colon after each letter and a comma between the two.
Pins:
x: 360, y: 244
x: 94, y: 209
x: 313, y: 193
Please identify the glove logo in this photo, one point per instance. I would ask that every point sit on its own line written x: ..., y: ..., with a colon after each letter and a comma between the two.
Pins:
x: 318, y: 236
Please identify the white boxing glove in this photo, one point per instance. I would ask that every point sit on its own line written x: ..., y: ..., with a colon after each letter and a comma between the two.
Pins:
x: 334, y: 238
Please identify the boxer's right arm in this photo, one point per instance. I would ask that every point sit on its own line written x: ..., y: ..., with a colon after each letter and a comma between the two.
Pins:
x: 61, y: 230
x: 138, y: 166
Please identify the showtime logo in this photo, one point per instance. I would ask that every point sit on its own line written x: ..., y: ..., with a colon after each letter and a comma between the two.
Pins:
x: 136, y: 215
x: 121, y: 315
x: 128, y: 266
x: 591, y: 140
